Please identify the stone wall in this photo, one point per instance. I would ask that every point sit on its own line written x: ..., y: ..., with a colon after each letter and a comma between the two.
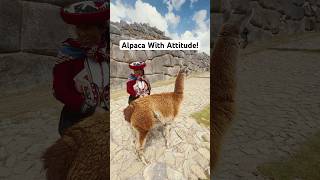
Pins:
x: 31, y: 33
x: 273, y: 17
x: 161, y: 65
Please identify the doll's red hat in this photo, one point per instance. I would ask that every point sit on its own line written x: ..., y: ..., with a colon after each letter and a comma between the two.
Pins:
x: 86, y: 12
x: 137, y: 65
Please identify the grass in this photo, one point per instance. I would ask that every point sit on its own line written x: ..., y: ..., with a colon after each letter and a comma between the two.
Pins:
x: 303, y: 165
x: 203, y: 116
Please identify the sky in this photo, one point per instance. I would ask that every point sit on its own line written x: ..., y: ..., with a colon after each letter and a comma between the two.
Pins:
x: 179, y: 19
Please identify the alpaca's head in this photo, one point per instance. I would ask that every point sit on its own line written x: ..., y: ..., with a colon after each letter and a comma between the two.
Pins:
x: 184, y: 71
x: 179, y: 85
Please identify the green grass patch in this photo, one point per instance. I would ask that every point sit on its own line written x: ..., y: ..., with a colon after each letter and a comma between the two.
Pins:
x: 303, y: 165
x: 203, y: 116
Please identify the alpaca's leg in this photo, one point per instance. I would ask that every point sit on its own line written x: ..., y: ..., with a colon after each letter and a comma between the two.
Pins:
x: 141, y: 140
x: 142, y: 136
x: 165, y: 133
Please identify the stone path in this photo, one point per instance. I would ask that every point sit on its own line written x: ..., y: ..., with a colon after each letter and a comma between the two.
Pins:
x: 187, y: 156
x: 278, y: 109
x: 28, y: 124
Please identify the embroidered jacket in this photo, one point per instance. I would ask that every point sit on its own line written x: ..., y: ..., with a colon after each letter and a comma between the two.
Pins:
x: 138, y: 85
x: 81, y: 75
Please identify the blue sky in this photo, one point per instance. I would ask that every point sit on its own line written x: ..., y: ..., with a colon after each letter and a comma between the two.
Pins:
x: 179, y: 19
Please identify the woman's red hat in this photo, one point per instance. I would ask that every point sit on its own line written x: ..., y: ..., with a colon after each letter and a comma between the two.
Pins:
x: 137, y: 65
x: 86, y: 12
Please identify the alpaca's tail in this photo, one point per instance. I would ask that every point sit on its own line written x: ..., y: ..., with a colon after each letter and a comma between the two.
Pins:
x: 127, y: 112
x: 223, y: 82
x: 58, y: 158
x: 179, y: 84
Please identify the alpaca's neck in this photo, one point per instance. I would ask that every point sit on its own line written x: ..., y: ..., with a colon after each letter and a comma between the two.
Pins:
x: 223, y: 63
x: 179, y: 85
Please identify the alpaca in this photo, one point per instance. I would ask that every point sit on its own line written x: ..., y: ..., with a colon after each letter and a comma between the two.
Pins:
x: 82, y: 153
x: 223, y: 63
x: 149, y: 112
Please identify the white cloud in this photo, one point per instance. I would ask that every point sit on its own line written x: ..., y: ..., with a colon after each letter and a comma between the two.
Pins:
x: 174, y: 4
x: 143, y: 12
x: 172, y: 19
x: 192, y: 2
x: 201, y: 31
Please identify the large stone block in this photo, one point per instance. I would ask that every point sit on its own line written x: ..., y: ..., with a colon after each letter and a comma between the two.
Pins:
x: 265, y: 18
x: 167, y: 60
x: 296, y: 26
x: 292, y: 11
x: 114, y: 29
x: 43, y: 30
x: 160, y: 53
x: 22, y: 70
x: 150, y: 54
x: 141, y: 55
x: 155, y: 77
x: 180, y: 54
x: 148, y: 69
x: 10, y: 25
x: 240, y: 4
x: 117, y: 83
x: 117, y: 54
x: 298, y: 2
x: 119, y: 69
x: 177, y: 61
x: 157, y: 65
x: 257, y: 34
x: 130, y: 56
x: 115, y: 39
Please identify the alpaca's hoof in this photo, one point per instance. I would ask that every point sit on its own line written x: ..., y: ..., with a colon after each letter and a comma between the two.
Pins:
x: 141, y: 157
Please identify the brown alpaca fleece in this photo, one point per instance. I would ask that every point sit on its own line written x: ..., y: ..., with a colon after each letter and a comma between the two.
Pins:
x: 223, y: 82
x: 144, y: 113
x: 82, y: 153
x: 222, y: 87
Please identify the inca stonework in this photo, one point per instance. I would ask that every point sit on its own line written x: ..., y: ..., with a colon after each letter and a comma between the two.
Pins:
x: 32, y: 30
x: 273, y: 17
x: 161, y: 65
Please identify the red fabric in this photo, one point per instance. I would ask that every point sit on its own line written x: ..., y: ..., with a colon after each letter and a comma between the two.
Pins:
x: 85, y: 18
x: 64, y: 85
x: 72, y: 42
x: 142, y: 66
x: 130, y: 89
x: 131, y: 83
